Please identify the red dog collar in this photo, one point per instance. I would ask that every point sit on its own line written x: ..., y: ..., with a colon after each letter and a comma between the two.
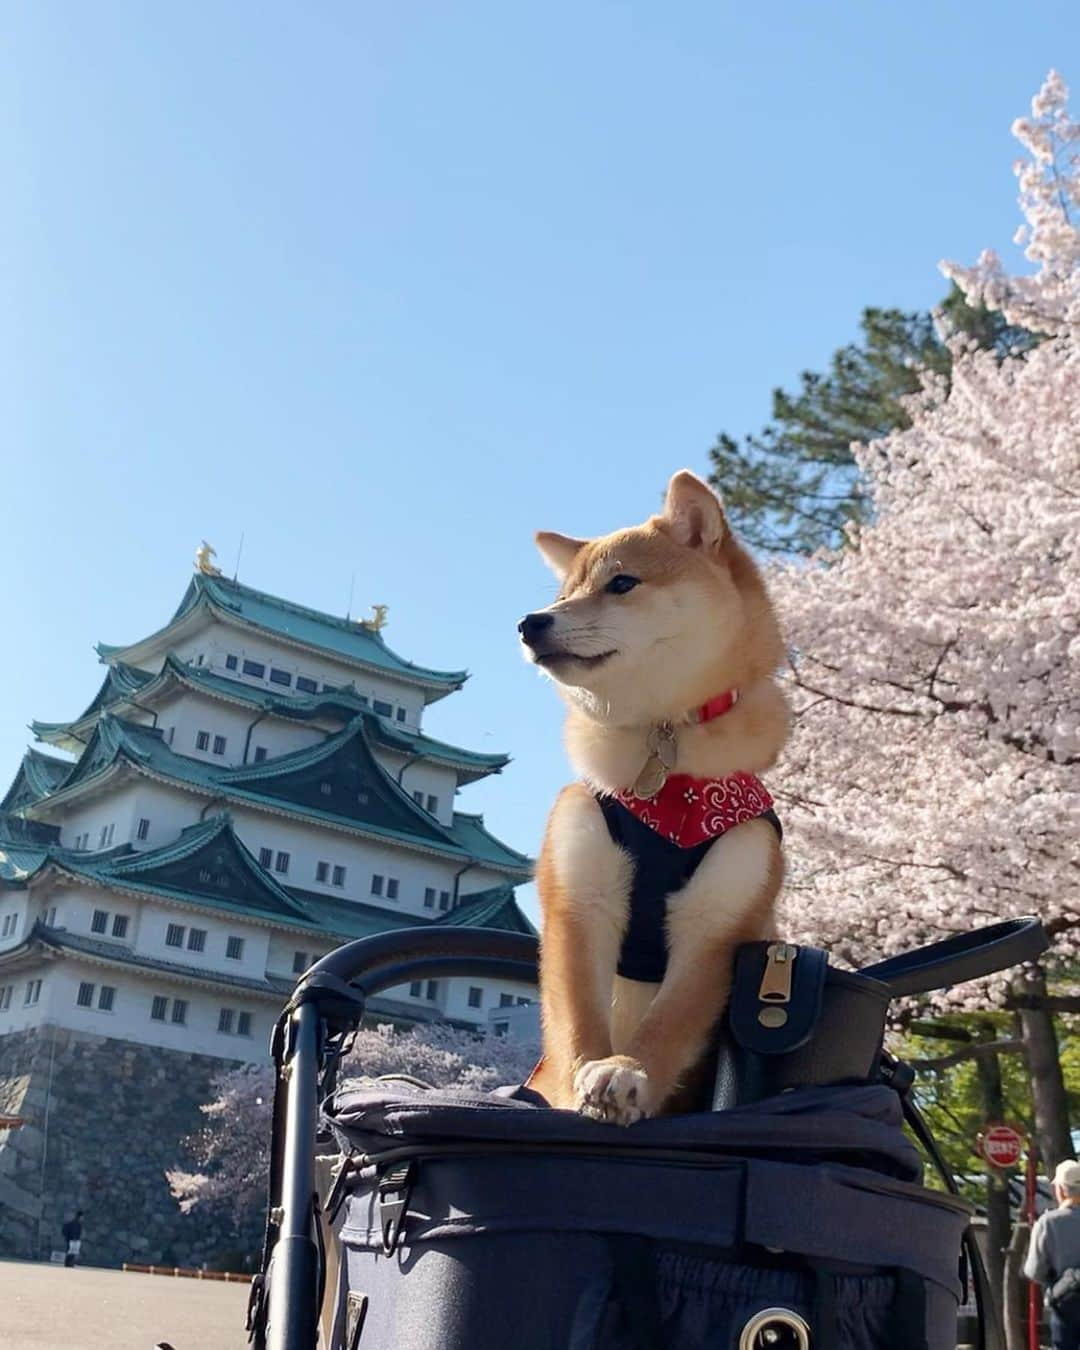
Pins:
x: 717, y: 706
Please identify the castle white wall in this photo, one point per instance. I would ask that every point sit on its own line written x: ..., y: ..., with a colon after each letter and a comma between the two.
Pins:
x: 130, y: 1015
x: 115, y: 808
x: 432, y: 780
x: 14, y: 918
x: 217, y: 641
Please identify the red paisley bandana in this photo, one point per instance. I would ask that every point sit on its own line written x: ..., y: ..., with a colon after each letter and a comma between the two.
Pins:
x: 690, y: 810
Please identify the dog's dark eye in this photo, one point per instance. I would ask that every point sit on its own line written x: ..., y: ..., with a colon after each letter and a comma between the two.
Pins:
x: 621, y: 584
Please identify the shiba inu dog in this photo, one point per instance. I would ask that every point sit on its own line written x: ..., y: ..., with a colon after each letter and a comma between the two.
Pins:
x: 665, y: 855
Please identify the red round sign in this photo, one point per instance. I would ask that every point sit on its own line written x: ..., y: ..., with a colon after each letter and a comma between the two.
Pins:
x: 1002, y: 1145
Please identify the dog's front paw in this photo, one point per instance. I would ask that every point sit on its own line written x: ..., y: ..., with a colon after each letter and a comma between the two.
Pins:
x: 615, y: 1090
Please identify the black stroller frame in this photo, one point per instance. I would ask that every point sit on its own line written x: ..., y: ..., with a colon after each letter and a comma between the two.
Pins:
x: 316, y: 1029
x: 309, y: 1040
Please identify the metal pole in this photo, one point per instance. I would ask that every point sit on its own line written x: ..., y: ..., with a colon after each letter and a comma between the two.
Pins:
x: 293, y: 1289
x: 1030, y: 1185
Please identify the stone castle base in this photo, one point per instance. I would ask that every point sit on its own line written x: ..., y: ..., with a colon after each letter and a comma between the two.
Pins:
x: 103, y: 1122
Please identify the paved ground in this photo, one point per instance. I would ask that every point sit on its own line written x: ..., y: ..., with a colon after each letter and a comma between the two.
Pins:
x: 44, y: 1307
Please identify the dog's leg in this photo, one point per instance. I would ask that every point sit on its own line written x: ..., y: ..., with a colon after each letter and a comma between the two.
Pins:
x: 584, y: 882
x: 727, y: 901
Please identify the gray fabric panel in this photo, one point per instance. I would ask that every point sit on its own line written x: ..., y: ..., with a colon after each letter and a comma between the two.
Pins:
x: 555, y: 1293
x: 500, y: 1195
x: 844, y: 1214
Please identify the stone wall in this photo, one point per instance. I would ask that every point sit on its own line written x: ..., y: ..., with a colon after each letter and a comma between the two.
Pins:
x: 103, y: 1122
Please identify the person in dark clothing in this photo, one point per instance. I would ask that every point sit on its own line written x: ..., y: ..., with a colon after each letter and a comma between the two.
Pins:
x: 72, y: 1234
x: 1055, y: 1248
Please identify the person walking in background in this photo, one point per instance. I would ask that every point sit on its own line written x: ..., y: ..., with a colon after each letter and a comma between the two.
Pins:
x: 72, y: 1234
x: 1053, y: 1258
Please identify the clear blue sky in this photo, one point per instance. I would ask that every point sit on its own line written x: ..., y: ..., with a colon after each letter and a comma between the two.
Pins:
x: 387, y: 287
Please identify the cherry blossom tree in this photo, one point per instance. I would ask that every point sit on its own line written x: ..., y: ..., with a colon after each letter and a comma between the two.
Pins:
x: 232, y: 1153
x: 931, y: 784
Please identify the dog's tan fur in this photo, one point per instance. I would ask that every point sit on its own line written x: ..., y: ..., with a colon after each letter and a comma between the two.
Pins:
x: 699, y: 623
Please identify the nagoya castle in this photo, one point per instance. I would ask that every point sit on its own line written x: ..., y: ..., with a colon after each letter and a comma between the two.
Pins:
x: 250, y: 787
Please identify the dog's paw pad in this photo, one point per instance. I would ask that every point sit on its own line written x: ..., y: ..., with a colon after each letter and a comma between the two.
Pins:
x: 614, y: 1090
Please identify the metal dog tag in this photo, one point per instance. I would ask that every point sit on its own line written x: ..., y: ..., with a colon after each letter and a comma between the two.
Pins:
x: 663, y: 747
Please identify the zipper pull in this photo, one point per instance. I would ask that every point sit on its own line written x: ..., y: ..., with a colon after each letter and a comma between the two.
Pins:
x: 776, y: 981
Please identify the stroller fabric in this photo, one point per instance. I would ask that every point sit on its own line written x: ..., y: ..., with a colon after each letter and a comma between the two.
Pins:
x: 494, y: 1221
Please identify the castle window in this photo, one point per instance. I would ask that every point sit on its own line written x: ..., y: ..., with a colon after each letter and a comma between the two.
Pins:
x: 202, y: 740
x: 325, y: 788
x: 476, y: 997
x: 300, y: 962
x: 429, y: 897
x: 418, y: 797
x: 260, y: 753
x: 255, y: 669
x: 174, y: 935
x: 109, y: 836
x: 85, y: 998
x: 144, y: 829
x: 49, y: 917
x: 179, y: 1011
x: 266, y: 857
x: 158, y: 1008
x: 501, y: 1028
x: 9, y: 925
x: 416, y: 989
x: 219, y: 745
x: 234, y: 948
x: 33, y: 993
x: 169, y: 737
x: 99, y: 922
x: 280, y: 676
x: 225, y: 1021
x: 243, y: 1024
x: 307, y: 685
x: 119, y: 925
x: 103, y: 836
x: 281, y: 863
x: 196, y: 940
x: 230, y: 663
x: 5, y: 997
x: 433, y: 990
x: 383, y: 708
x: 322, y: 871
x: 444, y: 900
x: 432, y: 803
x: 363, y: 700
x: 106, y: 998
x: 376, y: 884
x: 506, y: 1000
x: 524, y: 1002
x: 339, y: 880
x: 205, y: 874
x: 401, y: 714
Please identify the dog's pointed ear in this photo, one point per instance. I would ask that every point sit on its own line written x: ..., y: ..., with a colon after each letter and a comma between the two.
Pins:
x: 558, y: 551
x: 693, y: 513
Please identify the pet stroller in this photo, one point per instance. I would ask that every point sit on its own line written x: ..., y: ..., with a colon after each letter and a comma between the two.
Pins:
x: 790, y: 1215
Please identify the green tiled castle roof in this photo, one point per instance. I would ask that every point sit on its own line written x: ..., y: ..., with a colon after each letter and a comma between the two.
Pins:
x: 37, y: 776
x: 339, y: 781
x: 209, y: 867
x: 343, y: 639
x: 124, y: 684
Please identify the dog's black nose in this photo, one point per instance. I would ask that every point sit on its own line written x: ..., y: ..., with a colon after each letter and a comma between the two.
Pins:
x: 533, y: 625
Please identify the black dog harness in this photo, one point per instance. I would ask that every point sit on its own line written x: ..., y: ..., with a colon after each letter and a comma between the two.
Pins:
x: 661, y: 867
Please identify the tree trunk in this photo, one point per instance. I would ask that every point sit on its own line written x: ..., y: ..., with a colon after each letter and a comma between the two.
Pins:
x: 988, y: 1067
x: 1047, y: 1082
x: 1016, y: 1290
